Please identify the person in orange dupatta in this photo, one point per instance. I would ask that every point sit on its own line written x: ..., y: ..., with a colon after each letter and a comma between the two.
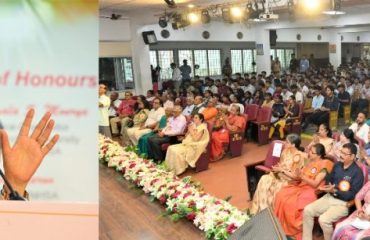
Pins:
x: 235, y: 122
x: 210, y: 112
x: 292, y: 199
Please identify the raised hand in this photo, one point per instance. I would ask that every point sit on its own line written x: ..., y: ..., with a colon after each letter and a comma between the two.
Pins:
x: 25, y: 156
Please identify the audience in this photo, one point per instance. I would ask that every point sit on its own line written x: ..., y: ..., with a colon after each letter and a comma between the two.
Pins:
x: 360, y: 127
x: 323, y: 136
x: 125, y: 111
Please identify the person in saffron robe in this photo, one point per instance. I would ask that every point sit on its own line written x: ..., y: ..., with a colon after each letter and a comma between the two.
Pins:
x: 291, y: 199
x: 235, y: 122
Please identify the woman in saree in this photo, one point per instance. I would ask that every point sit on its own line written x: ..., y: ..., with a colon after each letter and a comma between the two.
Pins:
x: 139, y: 119
x: 143, y: 140
x: 180, y: 156
x: 345, y: 229
x: 235, y: 122
x: 291, y: 199
x: 323, y: 136
x: 291, y: 160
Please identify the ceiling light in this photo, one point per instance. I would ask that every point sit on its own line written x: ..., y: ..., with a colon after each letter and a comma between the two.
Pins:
x: 226, y: 14
x: 236, y: 12
x: 332, y: 12
x: 311, y: 4
x: 193, y: 18
x: 335, y: 8
x: 191, y: 6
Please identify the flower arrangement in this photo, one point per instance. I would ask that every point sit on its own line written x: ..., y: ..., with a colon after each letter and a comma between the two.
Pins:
x: 217, y: 218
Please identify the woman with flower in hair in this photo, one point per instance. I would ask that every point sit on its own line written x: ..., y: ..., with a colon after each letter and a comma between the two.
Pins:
x: 291, y: 161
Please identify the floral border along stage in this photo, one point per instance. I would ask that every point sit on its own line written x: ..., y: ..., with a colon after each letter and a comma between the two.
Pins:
x: 216, y: 217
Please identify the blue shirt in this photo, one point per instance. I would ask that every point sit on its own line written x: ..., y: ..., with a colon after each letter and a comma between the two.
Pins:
x: 317, y: 102
x: 347, y: 181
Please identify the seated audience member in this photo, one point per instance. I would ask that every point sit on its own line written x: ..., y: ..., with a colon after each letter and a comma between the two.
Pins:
x: 210, y: 112
x: 180, y: 156
x: 150, y: 96
x: 323, y: 136
x: 316, y: 104
x: 143, y: 140
x: 361, y: 103
x: 268, y: 101
x: 248, y: 99
x: 114, y: 104
x: 175, y: 126
x: 342, y: 184
x: 292, y: 159
x: 360, y: 127
x: 198, y: 105
x: 277, y: 109
x: 291, y: 199
x: 344, y: 99
x: 138, y: 121
x: 290, y: 111
x: 235, y: 122
x: 322, y: 115
x: 125, y: 111
x: 168, y: 101
x: 208, y: 95
x: 345, y: 229
x: 285, y: 93
x: 297, y: 94
x: 154, y: 116
x: 189, y: 107
x: 347, y: 136
x: 258, y: 98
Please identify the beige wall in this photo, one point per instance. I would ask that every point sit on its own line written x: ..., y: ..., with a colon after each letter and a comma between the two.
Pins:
x: 115, y: 49
x: 320, y: 50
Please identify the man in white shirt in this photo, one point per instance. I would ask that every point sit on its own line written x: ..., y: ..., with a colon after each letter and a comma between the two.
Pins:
x: 176, y: 75
x: 285, y: 93
x: 104, y: 103
x: 360, y: 127
x: 114, y: 104
x: 298, y: 95
x: 189, y: 107
x: 154, y: 116
x: 175, y: 126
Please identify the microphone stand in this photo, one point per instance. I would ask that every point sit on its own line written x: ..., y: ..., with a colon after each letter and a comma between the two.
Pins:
x: 14, y: 195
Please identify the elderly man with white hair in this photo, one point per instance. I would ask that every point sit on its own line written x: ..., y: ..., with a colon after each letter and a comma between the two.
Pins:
x: 189, y: 107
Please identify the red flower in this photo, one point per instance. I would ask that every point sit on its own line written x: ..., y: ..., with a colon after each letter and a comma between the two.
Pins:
x: 176, y: 194
x: 187, y: 194
x: 162, y: 199
x: 217, y: 202
x: 174, y: 209
x: 231, y: 228
x: 191, y: 216
x: 132, y: 165
x: 191, y: 204
x: 203, y: 194
x: 123, y: 170
x: 153, y: 181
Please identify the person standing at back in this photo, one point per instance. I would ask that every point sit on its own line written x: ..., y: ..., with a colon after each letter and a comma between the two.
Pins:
x: 185, y: 72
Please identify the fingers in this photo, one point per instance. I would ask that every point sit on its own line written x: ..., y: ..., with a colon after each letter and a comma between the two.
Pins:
x: 40, y: 126
x: 27, y: 123
x: 4, y: 140
x: 46, y: 133
x: 46, y: 149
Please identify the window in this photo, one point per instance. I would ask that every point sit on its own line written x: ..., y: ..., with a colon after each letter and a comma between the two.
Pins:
x: 200, y: 58
x: 116, y: 73
x: 153, y: 58
x: 165, y: 58
x: 242, y: 60
x: 284, y: 56
x: 214, y: 62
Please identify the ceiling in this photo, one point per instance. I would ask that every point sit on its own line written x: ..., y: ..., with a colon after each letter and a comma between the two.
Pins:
x: 133, y: 5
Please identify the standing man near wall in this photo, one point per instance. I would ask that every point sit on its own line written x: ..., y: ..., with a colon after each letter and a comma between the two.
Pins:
x: 304, y: 64
x: 176, y: 76
x: 104, y: 103
x: 185, y: 72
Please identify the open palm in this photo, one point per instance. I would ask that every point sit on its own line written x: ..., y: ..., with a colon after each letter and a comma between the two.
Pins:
x: 25, y: 156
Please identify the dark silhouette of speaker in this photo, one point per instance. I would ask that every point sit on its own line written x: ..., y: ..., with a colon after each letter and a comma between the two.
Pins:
x: 263, y: 226
x: 149, y: 37
x: 273, y: 37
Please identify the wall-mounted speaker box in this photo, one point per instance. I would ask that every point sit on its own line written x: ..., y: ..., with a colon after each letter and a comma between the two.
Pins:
x: 263, y: 226
x: 273, y: 37
x: 149, y: 37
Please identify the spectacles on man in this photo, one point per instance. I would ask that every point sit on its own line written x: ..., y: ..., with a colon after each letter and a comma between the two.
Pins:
x: 156, y: 102
x: 347, y: 154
